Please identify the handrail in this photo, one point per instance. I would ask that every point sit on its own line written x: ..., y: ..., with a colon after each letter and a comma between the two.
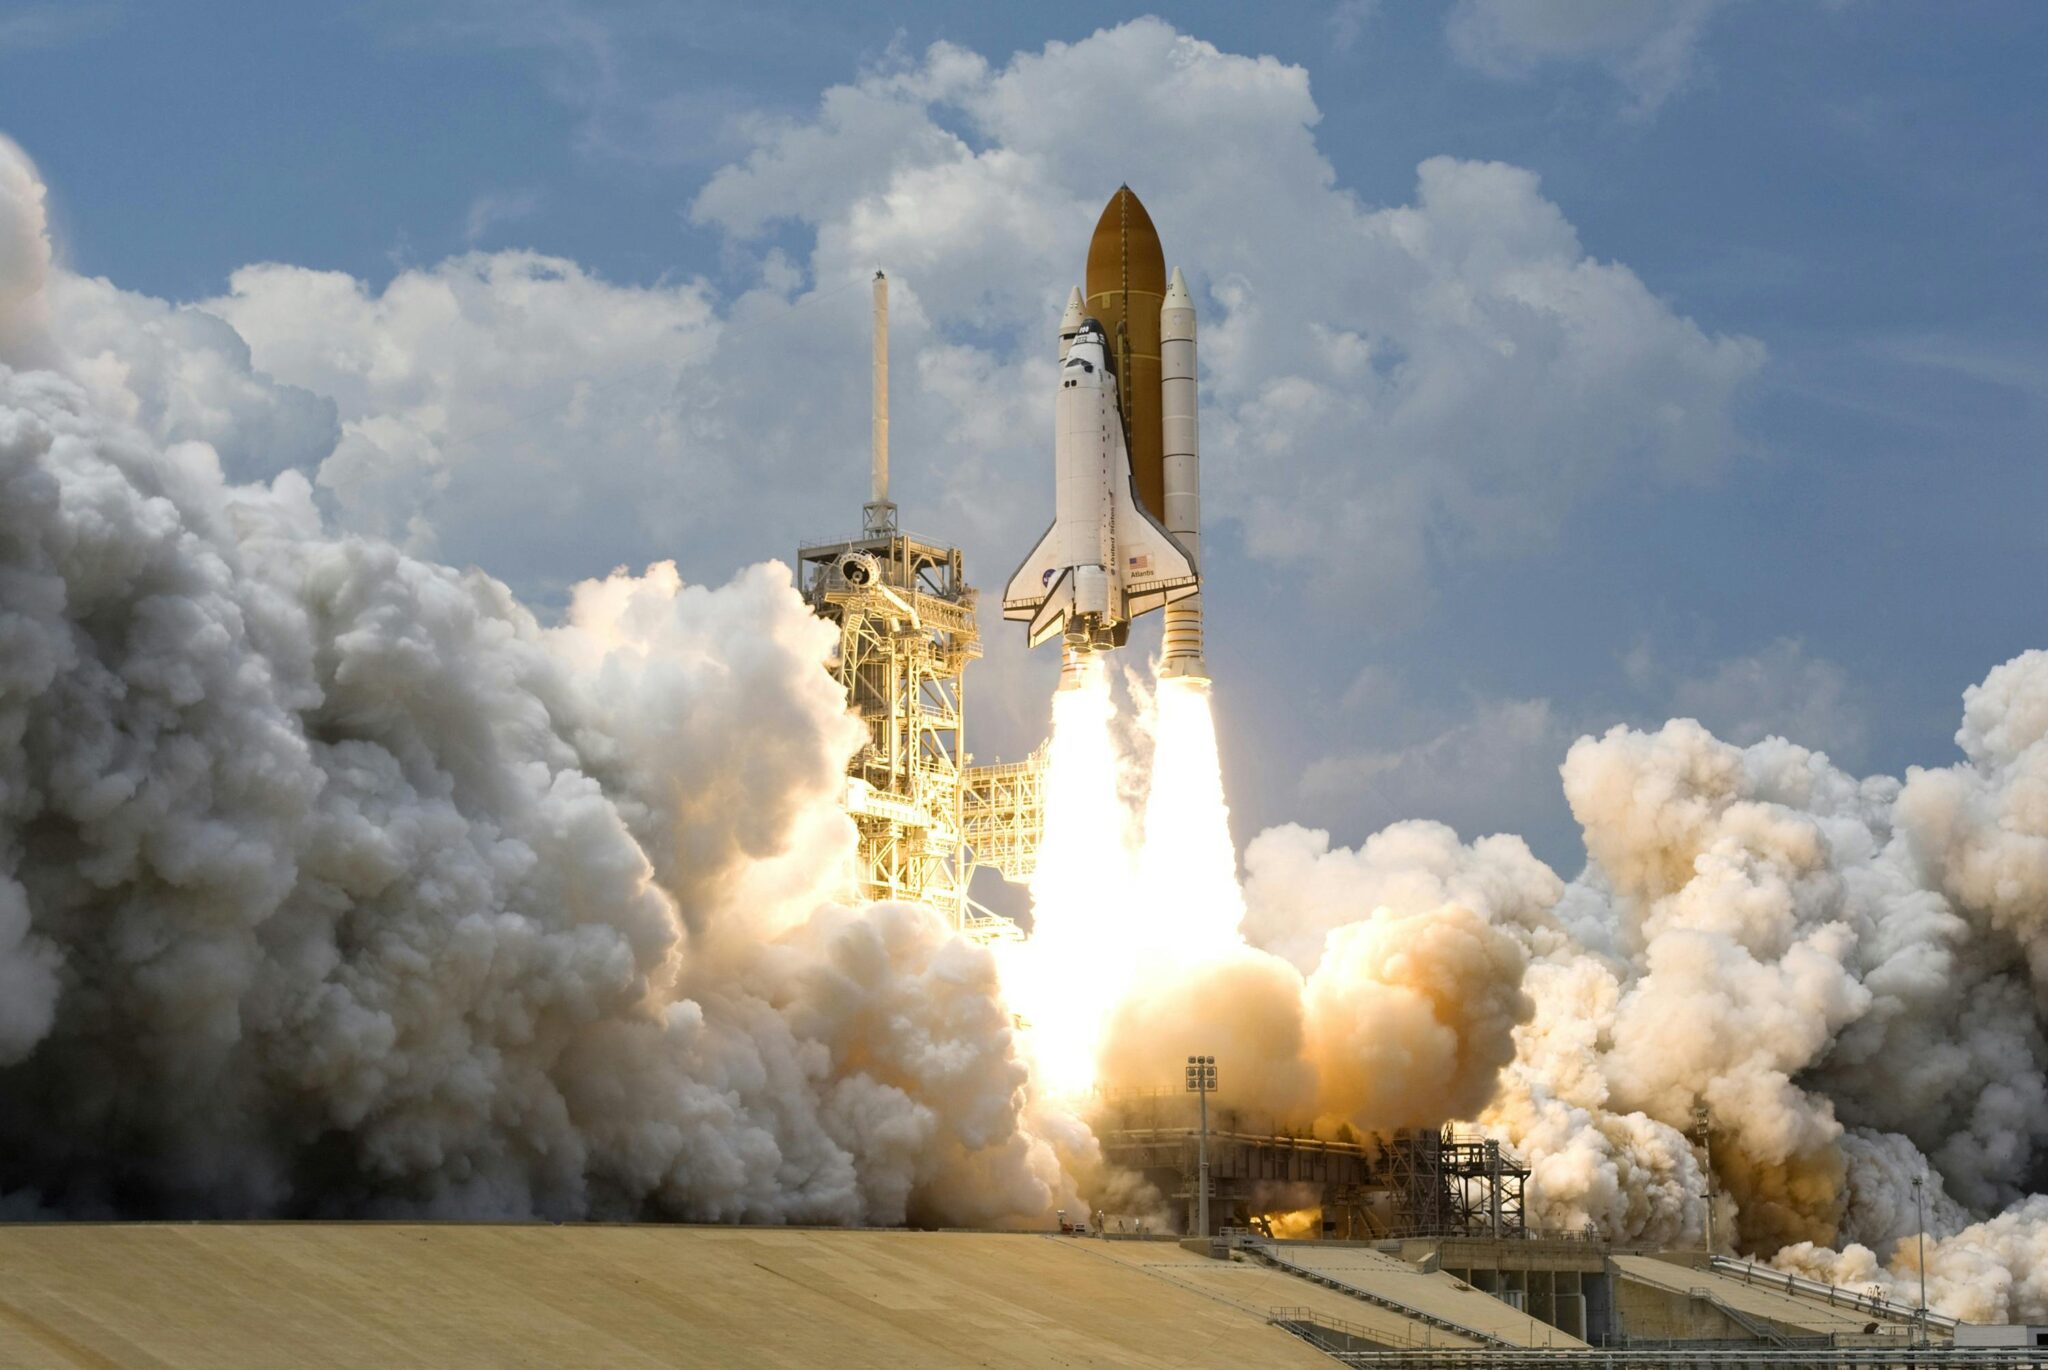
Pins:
x: 1756, y: 1327
x: 1766, y: 1277
x: 1304, y: 1317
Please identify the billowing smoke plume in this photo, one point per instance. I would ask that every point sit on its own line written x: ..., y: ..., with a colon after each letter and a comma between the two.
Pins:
x: 1845, y: 975
x: 1841, y: 976
x: 1363, y: 1012
x: 333, y: 883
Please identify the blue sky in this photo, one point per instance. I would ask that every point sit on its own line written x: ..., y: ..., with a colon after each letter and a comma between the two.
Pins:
x: 1833, y: 215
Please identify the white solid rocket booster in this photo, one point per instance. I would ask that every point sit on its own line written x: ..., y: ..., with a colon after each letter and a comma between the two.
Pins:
x: 1070, y: 322
x: 1182, y: 644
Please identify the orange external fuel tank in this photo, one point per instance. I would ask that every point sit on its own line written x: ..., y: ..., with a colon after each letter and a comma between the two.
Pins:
x: 1126, y: 285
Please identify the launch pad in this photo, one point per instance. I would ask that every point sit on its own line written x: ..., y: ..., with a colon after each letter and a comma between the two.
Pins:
x: 1411, y: 1183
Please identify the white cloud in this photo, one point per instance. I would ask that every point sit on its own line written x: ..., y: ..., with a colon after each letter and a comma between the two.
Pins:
x: 1781, y: 690
x: 1385, y: 388
x: 509, y: 408
x: 1649, y: 46
x: 492, y: 208
x: 186, y: 375
x: 38, y: 27
x: 1348, y: 22
x: 1481, y: 772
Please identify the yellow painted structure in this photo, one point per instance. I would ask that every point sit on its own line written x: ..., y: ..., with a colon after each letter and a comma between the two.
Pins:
x: 321, y: 1294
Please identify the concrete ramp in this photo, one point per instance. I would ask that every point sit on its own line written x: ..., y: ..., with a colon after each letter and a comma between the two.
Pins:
x: 312, y: 1294
x: 1851, y: 1302
x: 1770, y: 1314
x: 1442, y: 1300
x: 1259, y: 1288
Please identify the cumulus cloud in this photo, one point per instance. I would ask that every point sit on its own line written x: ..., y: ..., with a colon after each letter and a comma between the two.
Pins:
x: 1650, y: 46
x: 24, y: 260
x: 1783, y: 689
x: 1494, y: 370
x: 518, y: 411
x: 495, y: 207
x: 1477, y: 773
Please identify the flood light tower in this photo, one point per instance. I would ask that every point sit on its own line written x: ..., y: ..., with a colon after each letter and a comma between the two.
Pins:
x: 1201, y: 1079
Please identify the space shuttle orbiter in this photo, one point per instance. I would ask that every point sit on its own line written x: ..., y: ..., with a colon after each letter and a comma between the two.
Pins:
x: 1106, y: 559
x: 1126, y: 536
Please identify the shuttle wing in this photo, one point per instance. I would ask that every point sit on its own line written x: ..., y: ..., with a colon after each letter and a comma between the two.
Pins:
x: 1032, y: 585
x: 1051, y: 616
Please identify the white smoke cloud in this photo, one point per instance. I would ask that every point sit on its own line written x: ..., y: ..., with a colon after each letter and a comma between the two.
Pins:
x: 331, y: 882
x: 1841, y: 972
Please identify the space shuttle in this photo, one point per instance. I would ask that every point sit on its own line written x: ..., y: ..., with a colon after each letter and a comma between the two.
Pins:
x: 1105, y: 560
x: 1126, y: 506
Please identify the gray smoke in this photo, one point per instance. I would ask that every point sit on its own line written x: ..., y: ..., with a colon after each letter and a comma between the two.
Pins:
x: 333, y: 883
x: 1848, y: 975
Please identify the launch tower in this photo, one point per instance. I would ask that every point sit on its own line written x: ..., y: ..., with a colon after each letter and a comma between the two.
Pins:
x: 907, y: 630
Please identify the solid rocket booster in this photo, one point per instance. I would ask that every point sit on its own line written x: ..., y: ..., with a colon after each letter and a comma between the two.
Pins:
x: 1070, y: 322
x: 1181, y: 472
x: 1106, y: 559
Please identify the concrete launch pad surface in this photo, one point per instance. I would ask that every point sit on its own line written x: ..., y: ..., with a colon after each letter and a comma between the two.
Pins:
x: 318, y: 1294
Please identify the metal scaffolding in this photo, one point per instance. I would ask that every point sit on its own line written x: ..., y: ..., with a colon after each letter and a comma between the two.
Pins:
x: 906, y: 633
x: 1421, y: 1183
x: 1450, y: 1182
x: 1004, y: 815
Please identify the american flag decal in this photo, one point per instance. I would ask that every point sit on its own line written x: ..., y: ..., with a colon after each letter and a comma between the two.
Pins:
x: 1142, y: 562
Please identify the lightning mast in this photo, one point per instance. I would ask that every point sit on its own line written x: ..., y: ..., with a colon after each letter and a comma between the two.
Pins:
x: 906, y: 619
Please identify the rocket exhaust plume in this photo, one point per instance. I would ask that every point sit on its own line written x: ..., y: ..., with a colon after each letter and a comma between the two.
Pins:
x: 1064, y: 979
